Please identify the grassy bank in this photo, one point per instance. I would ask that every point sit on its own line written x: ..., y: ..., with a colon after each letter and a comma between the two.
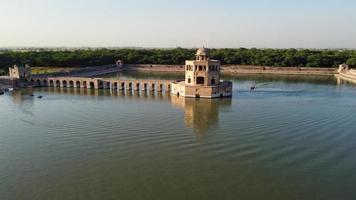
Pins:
x: 46, y: 70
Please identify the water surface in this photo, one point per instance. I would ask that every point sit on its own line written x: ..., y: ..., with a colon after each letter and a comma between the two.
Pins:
x: 293, y: 138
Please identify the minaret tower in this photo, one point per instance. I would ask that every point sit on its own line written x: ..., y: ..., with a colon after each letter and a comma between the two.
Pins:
x: 202, y: 78
x: 202, y: 71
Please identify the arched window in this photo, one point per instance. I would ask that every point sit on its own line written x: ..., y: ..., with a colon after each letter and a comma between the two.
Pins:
x: 200, y: 80
x: 189, y: 80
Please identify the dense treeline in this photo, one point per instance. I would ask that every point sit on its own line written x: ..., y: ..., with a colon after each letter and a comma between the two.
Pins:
x: 242, y: 56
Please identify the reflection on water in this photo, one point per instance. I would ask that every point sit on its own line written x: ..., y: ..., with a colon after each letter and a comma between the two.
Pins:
x: 200, y: 114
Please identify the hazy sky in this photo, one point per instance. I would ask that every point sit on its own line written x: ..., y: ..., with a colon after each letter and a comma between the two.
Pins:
x: 186, y: 23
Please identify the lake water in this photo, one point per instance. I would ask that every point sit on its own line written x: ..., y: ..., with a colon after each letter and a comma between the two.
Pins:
x: 292, y: 138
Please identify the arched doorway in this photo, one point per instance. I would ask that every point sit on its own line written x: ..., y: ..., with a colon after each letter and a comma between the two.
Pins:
x: 71, y: 83
x: 213, y: 81
x: 85, y: 84
x: 51, y: 83
x: 64, y: 83
x: 58, y: 83
x: 77, y: 84
x: 38, y: 82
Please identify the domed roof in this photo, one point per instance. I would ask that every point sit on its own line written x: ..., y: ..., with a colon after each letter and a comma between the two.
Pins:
x: 202, y: 52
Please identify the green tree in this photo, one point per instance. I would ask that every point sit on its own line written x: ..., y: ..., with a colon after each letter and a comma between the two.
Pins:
x: 352, y: 62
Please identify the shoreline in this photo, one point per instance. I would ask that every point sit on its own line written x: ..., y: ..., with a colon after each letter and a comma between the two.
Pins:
x: 239, y: 69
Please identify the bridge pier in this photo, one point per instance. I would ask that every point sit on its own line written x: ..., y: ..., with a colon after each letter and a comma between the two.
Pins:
x: 99, y: 83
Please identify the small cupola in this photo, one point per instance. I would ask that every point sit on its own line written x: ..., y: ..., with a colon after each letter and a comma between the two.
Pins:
x: 202, y: 54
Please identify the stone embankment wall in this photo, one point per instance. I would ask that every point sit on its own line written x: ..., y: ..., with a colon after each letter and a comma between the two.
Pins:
x: 7, y: 82
x: 158, y: 68
x: 239, y: 69
x: 353, y: 72
x: 346, y: 74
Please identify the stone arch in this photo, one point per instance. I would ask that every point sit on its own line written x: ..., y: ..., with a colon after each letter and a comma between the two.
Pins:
x: 130, y: 86
x: 51, y: 83
x: 85, y: 84
x: 122, y: 85
x: 153, y: 85
x: 38, y: 82
x: 64, y: 83
x: 145, y: 86
x: 45, y: 82
x: 108, y: 85
x: 71, y: 83
x: 92, y: 85
x: 137, y: 86
x: 58, y: 83
x: 115, y: 85
x: 77, y: 84
x: 160, y: 87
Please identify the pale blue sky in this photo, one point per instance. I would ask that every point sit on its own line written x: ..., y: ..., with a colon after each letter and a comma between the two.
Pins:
x: 186, y: 23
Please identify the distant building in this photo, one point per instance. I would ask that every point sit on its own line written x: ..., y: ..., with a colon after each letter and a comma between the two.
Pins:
x: 202, y: 78
x: 119, y: 63
x: 343, y: 68
x: 22, y: 72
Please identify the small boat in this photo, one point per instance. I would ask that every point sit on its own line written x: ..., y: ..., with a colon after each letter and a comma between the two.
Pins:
x: 40, y: 97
